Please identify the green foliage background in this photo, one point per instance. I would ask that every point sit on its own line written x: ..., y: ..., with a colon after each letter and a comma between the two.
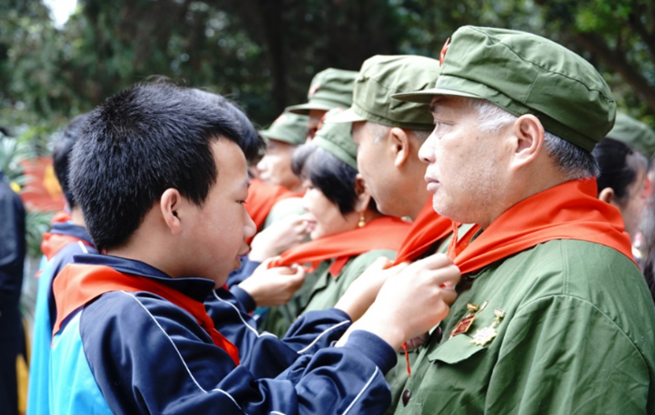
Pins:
x: 263, y: 53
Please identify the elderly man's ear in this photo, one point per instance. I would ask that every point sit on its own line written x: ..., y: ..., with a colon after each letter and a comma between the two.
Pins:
x: 527, y: 140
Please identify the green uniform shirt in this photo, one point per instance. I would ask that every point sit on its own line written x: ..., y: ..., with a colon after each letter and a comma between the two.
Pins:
x: 328, y: 289
x: 398, y: 375
x: 577, y: 337
x: 320, y: 291
x: 278, y: 319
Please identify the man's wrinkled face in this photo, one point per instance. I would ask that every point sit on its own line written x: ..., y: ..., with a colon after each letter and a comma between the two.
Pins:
x: 275, y: 166
x: 463, y: 162
x: 375, y: 164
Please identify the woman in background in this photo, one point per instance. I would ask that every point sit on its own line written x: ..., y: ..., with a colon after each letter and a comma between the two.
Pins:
x: 347, y: 231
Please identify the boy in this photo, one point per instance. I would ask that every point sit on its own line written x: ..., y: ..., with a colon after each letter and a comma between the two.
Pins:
x: 64, y: 240
x: 161, y: 177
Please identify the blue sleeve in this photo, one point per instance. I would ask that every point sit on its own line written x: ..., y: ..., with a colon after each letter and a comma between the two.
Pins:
x: 264, y: 354
x: 45, y: 315
x: 148, y: 356
x: 242, y: 299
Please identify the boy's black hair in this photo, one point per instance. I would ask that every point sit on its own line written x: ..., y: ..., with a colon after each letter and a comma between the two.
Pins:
x: 334, y: 178
x: 142, y: 141
x: 62, y: 152
x: 249, y: 133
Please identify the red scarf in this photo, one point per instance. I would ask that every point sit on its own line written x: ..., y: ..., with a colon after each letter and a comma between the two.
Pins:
x: 54, y: 242
x: 77, y: 285
x: 568, y: 211
x: 428, y: 228
x: 382, y: 233
x: 261, y: 199
x: 61, y: 217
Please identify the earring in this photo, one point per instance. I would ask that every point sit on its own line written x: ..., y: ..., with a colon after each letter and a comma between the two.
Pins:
x: 362, y: 221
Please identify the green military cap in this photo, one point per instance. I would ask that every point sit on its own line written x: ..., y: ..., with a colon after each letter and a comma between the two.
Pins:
x: 526, y: 74
x: 288, y: 127
x: 380, y: 78
x: 330, y: 88
x: 337, y: 139
x: 634, y: 133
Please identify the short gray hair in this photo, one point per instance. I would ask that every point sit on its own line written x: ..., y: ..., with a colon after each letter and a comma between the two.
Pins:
x: 570, y: 159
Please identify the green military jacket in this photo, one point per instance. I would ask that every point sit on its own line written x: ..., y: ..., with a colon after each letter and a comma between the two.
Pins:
x: 327, y: 290
x: 577, y: 336
x: 398, y: 375
x: 278, y: 319
x: 319, y: 291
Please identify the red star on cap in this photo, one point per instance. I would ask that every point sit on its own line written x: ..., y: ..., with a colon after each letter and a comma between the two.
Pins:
x: 314, y: 88
x: 442, y: 55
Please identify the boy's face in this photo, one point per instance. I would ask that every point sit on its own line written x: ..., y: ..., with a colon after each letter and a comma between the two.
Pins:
x: 221, y: 225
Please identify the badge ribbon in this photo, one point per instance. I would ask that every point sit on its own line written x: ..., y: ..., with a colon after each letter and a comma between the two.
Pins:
x: 465, y: 324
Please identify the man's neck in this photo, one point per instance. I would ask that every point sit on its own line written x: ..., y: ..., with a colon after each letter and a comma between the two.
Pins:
x: 535, y: 187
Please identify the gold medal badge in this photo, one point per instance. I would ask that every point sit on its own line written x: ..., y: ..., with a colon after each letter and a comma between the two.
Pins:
x: 487, y: 334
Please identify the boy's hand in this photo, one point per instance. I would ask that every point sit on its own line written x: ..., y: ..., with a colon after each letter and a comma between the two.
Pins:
x: 412, y: 301
x: 274, y: 286
x: 362, y: 292
x: 279, y: 237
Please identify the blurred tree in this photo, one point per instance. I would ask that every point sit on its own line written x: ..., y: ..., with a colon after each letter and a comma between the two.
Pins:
x: 618, y: 36
x: 263, y: 53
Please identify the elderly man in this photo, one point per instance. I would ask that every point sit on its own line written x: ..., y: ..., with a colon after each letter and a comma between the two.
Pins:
x: 283, y: 136
x: 389, y: 134
x: 552, y: 315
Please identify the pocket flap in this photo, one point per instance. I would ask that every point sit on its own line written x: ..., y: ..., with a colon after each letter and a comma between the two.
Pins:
x: 455, y: 350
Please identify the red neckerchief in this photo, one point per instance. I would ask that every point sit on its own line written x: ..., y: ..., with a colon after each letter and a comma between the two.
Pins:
x: 54, y: 242
x: 568, y: 211
x: 261, y: 199
x: 78, y: 284
x: 382, y: 233
x: 428, y: 228
x: 61, y: 217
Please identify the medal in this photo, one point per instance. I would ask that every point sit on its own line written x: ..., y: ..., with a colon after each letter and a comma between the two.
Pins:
x: 465, y: 324
x: 487, y: 334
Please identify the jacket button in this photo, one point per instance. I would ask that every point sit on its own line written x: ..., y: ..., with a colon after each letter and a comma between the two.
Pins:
x: 438, y: 334
x: 406, y: 395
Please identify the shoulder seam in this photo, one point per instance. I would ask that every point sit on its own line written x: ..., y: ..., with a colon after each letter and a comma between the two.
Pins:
x: 238, y: 313
x: 583, y: 300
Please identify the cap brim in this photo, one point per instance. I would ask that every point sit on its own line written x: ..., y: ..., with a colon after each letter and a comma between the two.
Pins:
x: 303, y: 109
x: 346, y: 117
x: 425, y: 96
